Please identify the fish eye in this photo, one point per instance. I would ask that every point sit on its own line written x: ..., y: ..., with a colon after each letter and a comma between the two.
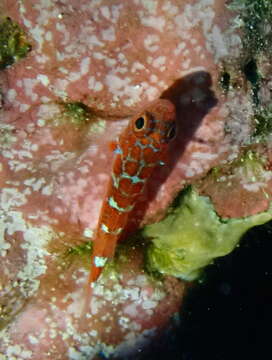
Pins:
x: 171, y: 132
x: 139, y: 123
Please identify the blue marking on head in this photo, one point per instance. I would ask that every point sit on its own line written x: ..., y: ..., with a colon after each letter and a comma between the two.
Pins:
x: 134, y: 179
x: 141, y: 146
x: 118, y: 150
x: 115, y: 180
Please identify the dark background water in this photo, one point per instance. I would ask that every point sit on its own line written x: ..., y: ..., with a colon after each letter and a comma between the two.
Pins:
x: 229, y: 314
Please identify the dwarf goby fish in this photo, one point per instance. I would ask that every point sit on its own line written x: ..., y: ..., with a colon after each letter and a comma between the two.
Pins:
x: 138, y: 151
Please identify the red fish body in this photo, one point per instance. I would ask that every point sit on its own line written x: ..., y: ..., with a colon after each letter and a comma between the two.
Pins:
x: 138, y: 151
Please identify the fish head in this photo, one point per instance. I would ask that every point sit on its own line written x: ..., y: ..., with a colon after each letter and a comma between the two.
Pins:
x: 156, y: 124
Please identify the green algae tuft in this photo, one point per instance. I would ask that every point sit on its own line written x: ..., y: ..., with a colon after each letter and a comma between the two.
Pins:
x: 263, y: 123
x: 254, y: 19
x: 13, y: 43
x: 78, y: 113
x: 80, y: 250
x: 192, y: 235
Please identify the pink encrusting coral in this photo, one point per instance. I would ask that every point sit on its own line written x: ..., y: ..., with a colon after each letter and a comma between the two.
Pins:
x: 112, y: 59
x: 109, y: 60
x: 68, y: 62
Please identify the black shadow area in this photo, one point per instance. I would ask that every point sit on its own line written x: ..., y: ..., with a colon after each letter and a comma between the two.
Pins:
x: 229, y: 315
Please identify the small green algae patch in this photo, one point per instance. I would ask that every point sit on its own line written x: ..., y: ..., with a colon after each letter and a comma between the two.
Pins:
x: 13, y: 43
x: 255, y: 17
x: 77, y: 253
x: 192, y: 235
x: 263, y: 123
x: 81, y: 250
x: 78, y: 113
x: 249, y: 166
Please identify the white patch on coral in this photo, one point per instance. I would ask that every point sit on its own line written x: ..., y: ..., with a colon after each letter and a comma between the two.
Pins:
x: 73, y: 76
x: 61, y: 28
x: 254, y: 187
x: 36, y: 184
x: 88, y: 233
x: 93, y: 333
x: 93, y: 40
x: 18, y: 352
x: 47, y: 190
x: 116, y: 9
x: 108, y: 34
x: 48, y: 36
x: 141, y: 280
x: 149, y: 304
x: 155, y: 22
x: 181, y: 46
x: 35, y: 242
x: 116, y: 84
x: 63, y: 70
x: 33, y: 339
x: 123, y: 59
x: 11, y: 95
x: 85, y: 66
x: 151, y: 42
x: 105, y: 12
x: 154, y: 79
x: 94, y: 85
x: 159, y: 61
x: 57, y: 158
x: 42, y: 59
x: 110, y: 62
x: 4, y: 245
x: 11, y: 198
x: 131, y: 310
x: 124, y: 322
x: 98, y: 55
x: 203, y: 155
x: 150, y: 5
x: 74, y: 307
x: 27, y: 23
x: 217, y: 42
x: 137, y: 66
x: 29, y: 85
x: 95, y: 305
x: 48, y: 111
x: 170, y: 8
x: 151, y: 92
x: 185, y: 64
x: 38, y: 34
x: 35, y: 239
x: 24, y: 107
x: 131, y: 293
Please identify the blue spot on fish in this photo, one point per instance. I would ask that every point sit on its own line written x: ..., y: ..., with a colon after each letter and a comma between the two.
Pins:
x: 118, y: 151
